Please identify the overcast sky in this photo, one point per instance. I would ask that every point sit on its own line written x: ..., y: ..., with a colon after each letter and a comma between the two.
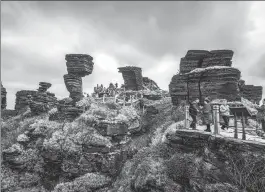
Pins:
x: 35, y: 37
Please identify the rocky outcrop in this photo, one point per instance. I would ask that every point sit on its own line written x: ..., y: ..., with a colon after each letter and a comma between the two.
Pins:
x: 210, y: 74
x: 213, y: 82
x: 42, y: 101
x: 252, y: 93
x: 22, y: 99
x: 3, y: 97
x: 132, y: 76
x: 78, y: 66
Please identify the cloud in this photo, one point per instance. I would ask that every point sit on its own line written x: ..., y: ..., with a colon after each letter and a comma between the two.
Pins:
x: 152, y: 35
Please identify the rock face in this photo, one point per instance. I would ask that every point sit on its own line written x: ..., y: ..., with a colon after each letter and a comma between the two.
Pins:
x: 3, y: 97
x: 207, y: 74
x: 132, y: 76
x: 252, y: 93
x: 78, y: 66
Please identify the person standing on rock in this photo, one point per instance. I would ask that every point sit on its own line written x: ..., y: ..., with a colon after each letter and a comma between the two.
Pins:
x: 261, y: 114
x: 194, y: 109
x: 225, y: 113
x: 207, y: 114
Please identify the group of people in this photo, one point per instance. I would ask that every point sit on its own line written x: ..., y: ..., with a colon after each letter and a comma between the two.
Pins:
x: 196, y: 108
x: 111, y: 91
x: 206, y: 110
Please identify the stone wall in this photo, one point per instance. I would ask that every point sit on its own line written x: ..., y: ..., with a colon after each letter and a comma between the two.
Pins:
x: 3, y: 97
x: 132, y: 76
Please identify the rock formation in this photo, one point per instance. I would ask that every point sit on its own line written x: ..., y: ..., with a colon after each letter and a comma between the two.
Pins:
x: 38, y: 101
x: 208, y: 73
x: 22, y: 99
x: 42, y: 101
x: 78, y: 66
x: 132, y: 76
x: 3, y: 97
x: 150, y: 84
x: 252, y: 93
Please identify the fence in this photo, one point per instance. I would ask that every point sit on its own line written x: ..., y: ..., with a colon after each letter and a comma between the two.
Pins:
x: 216, y: 122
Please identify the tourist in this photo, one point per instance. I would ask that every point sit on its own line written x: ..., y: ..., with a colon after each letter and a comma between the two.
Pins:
x: 193, y: 113
x: 207, y: 114
x: 225, y: 113
x: 261, y: 114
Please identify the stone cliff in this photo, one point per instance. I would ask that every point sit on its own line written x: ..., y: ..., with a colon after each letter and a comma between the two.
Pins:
x: 209, y: 74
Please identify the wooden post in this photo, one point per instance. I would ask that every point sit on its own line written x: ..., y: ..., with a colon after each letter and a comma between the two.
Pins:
x: 131, y: 100
x: 124, y: 100
x: 243, y: 127
x: 216, y: 119
x: 186, y: 116
x: 236, y: 134
x: 103, y: 98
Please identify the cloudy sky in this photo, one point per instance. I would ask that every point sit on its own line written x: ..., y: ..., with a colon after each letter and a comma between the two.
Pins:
x: 35, y: 37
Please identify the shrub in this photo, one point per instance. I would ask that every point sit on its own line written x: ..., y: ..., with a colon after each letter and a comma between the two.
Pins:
x: 112, y: 105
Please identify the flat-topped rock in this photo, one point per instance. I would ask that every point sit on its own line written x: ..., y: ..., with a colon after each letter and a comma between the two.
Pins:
x: 132, y: 77
x: 22, y: 99
x: 252, y: 93
x: 79, y: 64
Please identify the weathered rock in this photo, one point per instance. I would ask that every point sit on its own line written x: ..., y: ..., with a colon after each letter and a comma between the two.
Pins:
x: 44, y: 86
x: 252, y: 93
x: 132, y: 76
x: 79, y: 64
x: 22, y: 99
x: 3, y: 97
x: 150, y: 84
x: 218, y: 58
x: 88, y: 182
x: 213, y: 82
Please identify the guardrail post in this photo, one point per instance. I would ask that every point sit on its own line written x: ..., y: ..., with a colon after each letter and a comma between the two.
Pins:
x: 103, y: 98
x: 186, y: 117
x: 216, y: 119
x: 124, y: 100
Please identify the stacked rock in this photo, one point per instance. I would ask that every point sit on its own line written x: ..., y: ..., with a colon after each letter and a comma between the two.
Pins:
x: 42, y: 101
x: 218, y: 58
x: 74, y: 86
x: 192, y: 60
x: 22, y: 99
x: 202, y: 59
x: 78, y: 66
x: 206, y: 74
x: 3, y: 97
x: 44, y: 86
x: 132, y: 77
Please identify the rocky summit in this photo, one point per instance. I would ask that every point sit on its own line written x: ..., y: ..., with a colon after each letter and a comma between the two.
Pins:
x: 133, y: 137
